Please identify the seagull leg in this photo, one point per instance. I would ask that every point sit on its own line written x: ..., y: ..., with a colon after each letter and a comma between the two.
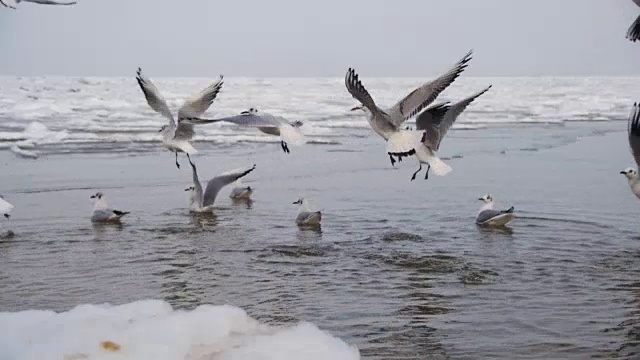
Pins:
x: 189, y: 157
x: 393, y: 161
x: 426, y: 176
x: 177, y: 164
x: 286, y: 148
x: 413, y: 177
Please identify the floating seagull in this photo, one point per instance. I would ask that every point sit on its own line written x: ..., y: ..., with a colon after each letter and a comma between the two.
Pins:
x: 200, y: 202
x: 633, y: 33
x: 176, y: 136
x: 5, y: 207
x: 386, y: 123
x: 305, y: 216
x: 102, y: 213
x: 239, y: 191
x: 436, y: 120
x: 633, y: 127
x: 489, y: 217
x: 13, y: 3
x: 269, y: 124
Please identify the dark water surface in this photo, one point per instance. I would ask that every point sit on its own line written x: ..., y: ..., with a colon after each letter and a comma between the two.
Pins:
x: 399, y: 268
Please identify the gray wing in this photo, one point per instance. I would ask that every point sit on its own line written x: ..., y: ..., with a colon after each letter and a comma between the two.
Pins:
x: 50, y: 2
x: 196, y: 105
x: 309, y: 216
x: 633, y: 33
x: 217, y: 183
x: 437, y: 120
x: 196, y: 183
x: 358, y: 91
x: 184, y: 131
x: 487, y: 215
x: 252, y: 120
x: 634, y: 132
x: 153, y: 96
x: 5, y: 5
x: 419, y: 98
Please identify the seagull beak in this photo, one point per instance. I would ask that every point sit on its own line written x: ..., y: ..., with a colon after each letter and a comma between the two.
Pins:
x: 623, y: 172
x: 160, y: 130
x: 92, y: 197
x: 7, y: 216
x: 480, y: 199
x: 356, y: 108
x: 187, y: 189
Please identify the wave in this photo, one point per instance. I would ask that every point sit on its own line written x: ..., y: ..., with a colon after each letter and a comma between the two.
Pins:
x: 153, y: 330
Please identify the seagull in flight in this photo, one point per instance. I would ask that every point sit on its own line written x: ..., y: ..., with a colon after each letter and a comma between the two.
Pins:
x: 269, y: 124
x: 633, y: 33
x: 386, y: 122
x: 102, y: 213
x: 201, y: 202
x: 436, y: 120
x: 633, y: 129
x: 177, y: 135
x: 13, y: 3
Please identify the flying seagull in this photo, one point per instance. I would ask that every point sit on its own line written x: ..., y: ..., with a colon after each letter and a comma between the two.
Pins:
x: 487, y: 216
x: 386, y: 123
x: 269, y: 124
x: 102, y: 213
x: 177, y: 135
x: 436, y: 120
x: 633, y: 128
x: 633, y: 33
x: 13, y: 3
x: 200, y: 202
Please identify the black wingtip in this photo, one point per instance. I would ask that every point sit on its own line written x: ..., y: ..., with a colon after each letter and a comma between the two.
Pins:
x: 509, y: 210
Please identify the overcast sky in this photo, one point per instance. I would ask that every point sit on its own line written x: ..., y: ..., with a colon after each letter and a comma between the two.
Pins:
x: 319, y: 38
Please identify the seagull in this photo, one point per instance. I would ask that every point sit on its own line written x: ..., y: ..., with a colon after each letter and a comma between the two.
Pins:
x: 5, y: 207
x: 386, y: 123
x: 489, y: 217
x: 305, y: 216
x: 239, y: 191
x: 102, y: 213
x: 633, y: 128
x: 203, y: 202
x: 633, y: 33
x: 7, y: 3
x: 436, y: 120
x: 269, y: 124
x: 177, y: 135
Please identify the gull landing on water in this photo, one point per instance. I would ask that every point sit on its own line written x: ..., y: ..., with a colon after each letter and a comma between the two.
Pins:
x: 436, y: 120
x: 633, y: 129
x: 177, y: 135
x: 102, y: 213
x: 386, y: 123
x: 13, y: 3
x: 200, y: 202
x: 269, y: 124
x: 489, y: 217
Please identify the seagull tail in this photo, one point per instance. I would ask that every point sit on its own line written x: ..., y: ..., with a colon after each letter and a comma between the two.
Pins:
x: 634, y: 30
x: 439, y: 167
x: 291, y: 135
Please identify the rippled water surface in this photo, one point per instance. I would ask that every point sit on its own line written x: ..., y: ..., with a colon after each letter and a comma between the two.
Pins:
x: 398, y: 269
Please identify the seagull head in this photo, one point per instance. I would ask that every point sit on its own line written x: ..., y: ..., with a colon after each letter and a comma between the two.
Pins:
x: 163, y: 128
x: 190, y: 188
x: 299, y: 201
x: 251, y: 111
x: 487, y: 198
x: 97, y: 196
x: 630, y: 173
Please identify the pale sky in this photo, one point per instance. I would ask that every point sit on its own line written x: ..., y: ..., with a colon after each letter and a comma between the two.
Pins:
x: 301, y: 38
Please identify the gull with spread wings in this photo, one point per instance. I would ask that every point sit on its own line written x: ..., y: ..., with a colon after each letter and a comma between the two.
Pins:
x: 13, y: 3
x: 177, y: 135
x: 436, y: 120
x: 386, y: 123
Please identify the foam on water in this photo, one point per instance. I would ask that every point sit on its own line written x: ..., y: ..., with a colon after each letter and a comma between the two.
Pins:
x: 114, y: 110
x: 152, y: 330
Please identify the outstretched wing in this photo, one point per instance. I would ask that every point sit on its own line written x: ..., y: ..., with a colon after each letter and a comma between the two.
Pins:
x: 252, y: 120
x: 5, y: 206
x: 419, y: 98
x: 197, y: 104
x: 8, y: 3
x: 196, y: 184
x: 217, y: 183
x: 358, y: 91
x: 153, y: 96
x: 50, y: 2
x: 634, y: 132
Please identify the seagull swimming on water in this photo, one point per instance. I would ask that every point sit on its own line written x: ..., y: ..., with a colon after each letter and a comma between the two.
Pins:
x: 436, y: 120
x: 306, y: 217
x: 201, y: 202
x: 13, y: 3
x: 5, y: 207
x: 102, y: 213
x: 633, y: 33
x: 177, y: 135
x: 269, y: 124
x: 239, y: 191
x: 386, y: 123
x: 487, y: 216
x: 633, y: 129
